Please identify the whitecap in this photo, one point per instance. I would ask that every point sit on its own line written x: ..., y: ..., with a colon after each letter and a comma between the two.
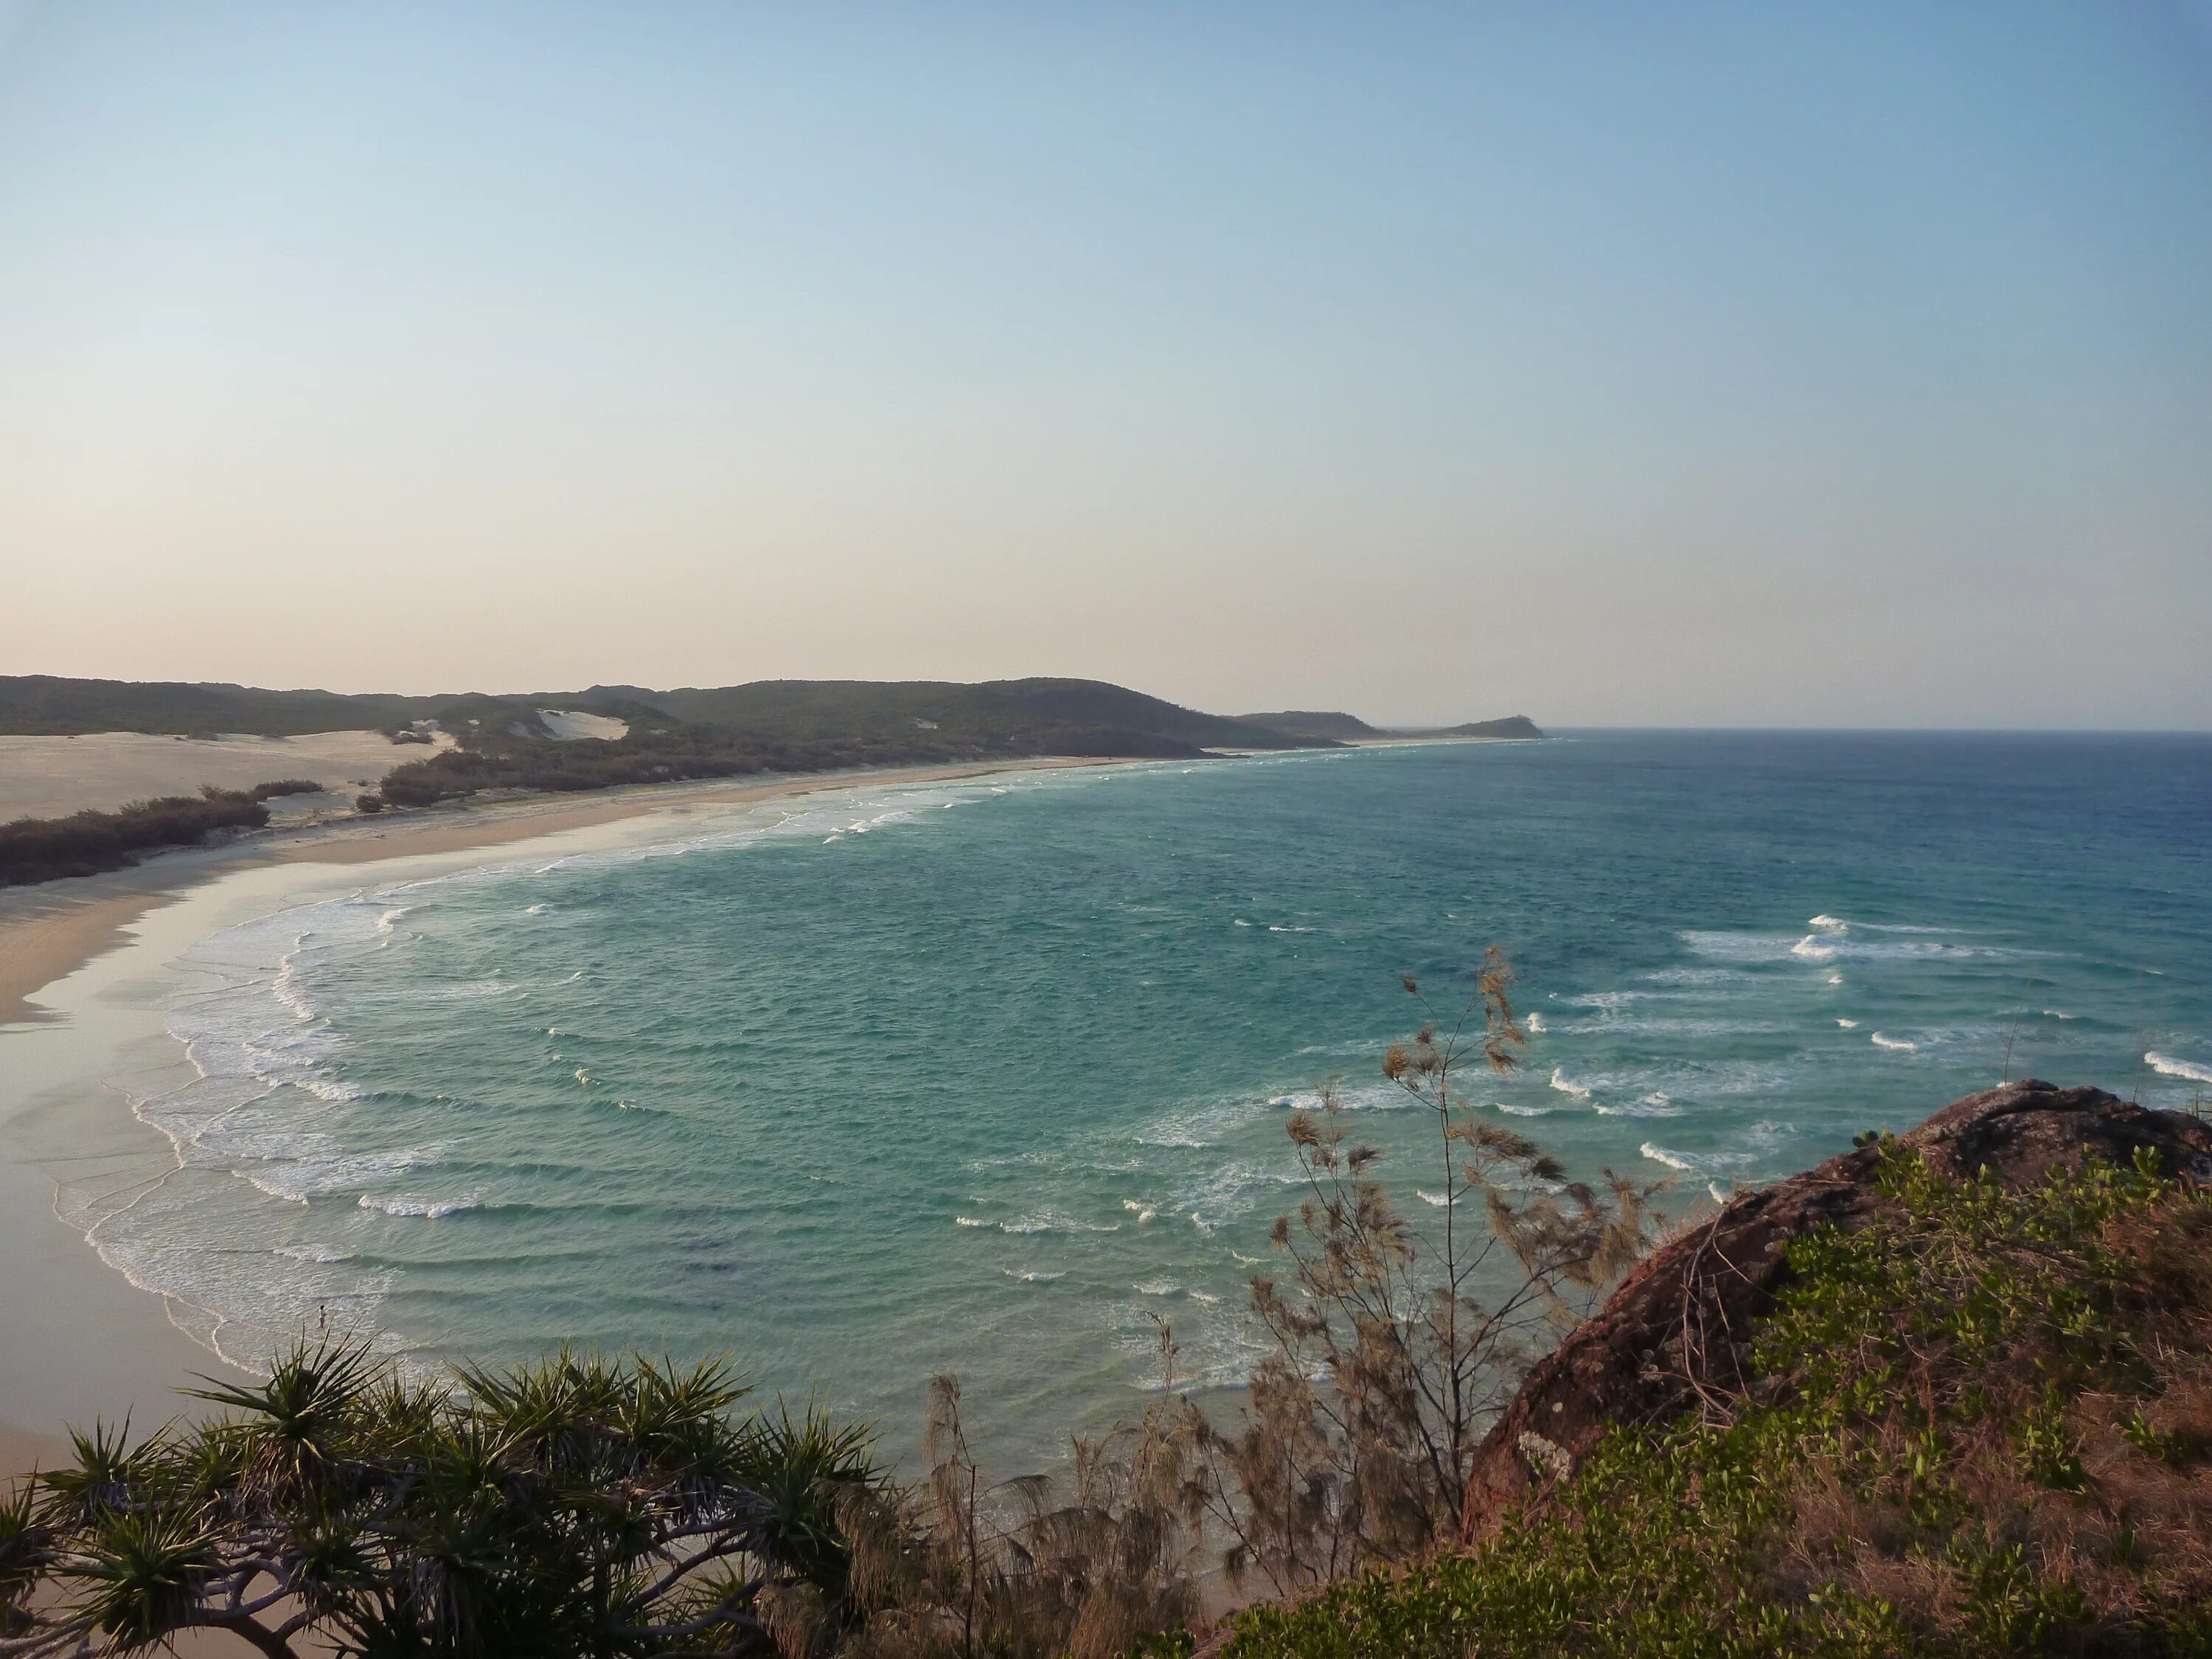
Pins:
x: 535, y: 910
x: 1144, y: 1213
x: 1052, y: 1221
x: 1812, y: 949
x: 1661, y: 1155
x: 1535, y: 1024
x: 2167, y: 1065
x: 1035, y: 1276
x: 1657, y: 1103
x: 313, y: 1251
x: 1439, y: 1199
x: 428, y: 1209
x: 1566, y: 1085
x: 1522, y: 1111
x: 1898, y: 1043
x: 1828, y: 924
x: 1847, y: 1024
x: 972, y: 1221
x: 1157, y: 1288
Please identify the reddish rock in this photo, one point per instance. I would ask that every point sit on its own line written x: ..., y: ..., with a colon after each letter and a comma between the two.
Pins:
x: 1676, y: 1331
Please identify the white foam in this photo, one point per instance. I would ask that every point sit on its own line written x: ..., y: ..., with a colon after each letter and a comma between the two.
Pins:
x: 1035, y: 1276
x: 1566, y: 1085
x: 972, y: 1221
x: 1535, y: 1025
x: 1847, y: 1024
x: 1657, y: 1103
x: 1661, y: 1155
x: 1158, y: 1287
x: 1440, y: 1199
x: 1052, y: 1221
x: 426, y: 1209
x: 1522, y: 1111
x: 1898, y: 1043
x: 2167, y: 1065
x: 1144, y: 1213
x: 1814, y: 948
x: 1828, y: 924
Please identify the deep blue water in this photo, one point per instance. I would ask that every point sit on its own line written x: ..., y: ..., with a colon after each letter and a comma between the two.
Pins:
x: 976, y: 1077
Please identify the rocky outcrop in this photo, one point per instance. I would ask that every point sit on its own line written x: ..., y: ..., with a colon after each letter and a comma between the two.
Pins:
x: 1677, y: 1330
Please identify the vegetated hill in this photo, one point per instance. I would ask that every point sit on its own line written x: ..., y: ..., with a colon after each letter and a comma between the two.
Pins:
x: 1945, y: 1394
x: 767, y: 711
x: 1313, y: 723
x: 1513, y: 726
x: 1350, y: 728
x: 806, y: 710
x: 46, y: 705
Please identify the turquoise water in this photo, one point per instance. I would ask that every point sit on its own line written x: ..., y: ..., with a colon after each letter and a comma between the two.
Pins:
x: 980, y: 1077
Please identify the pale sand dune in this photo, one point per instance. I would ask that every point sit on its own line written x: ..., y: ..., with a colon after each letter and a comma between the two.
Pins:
x: 51, y: 777
x: 573, y: 727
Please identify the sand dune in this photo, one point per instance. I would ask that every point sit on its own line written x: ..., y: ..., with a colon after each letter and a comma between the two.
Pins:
x: 50, y: 777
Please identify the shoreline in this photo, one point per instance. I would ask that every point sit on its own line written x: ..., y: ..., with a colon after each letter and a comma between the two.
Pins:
x: 50, y: 931
x: 81, y: 974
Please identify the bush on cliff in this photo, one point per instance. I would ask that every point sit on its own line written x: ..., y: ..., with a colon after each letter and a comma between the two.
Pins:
x: 1981, y: 1427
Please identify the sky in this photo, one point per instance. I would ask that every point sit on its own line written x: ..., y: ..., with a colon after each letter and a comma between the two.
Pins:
x: 1704, y: 365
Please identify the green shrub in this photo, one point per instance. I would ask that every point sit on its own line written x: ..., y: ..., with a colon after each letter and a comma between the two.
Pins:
x: 1982, y: 1432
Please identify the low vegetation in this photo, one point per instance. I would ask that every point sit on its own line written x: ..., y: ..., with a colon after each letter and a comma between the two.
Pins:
x: 1981, y: 1427
x: 86, y: 843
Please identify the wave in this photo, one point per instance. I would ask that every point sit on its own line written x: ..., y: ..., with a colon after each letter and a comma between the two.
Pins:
x: 426, y: 1209
x: 2167, y: 1065
x: 1535, y: 1024
x: 1899, y: 1043
x: 1144, y: 1213
x: 1672, y: 1160
x: 972, y: 1221
x: 1567, y: 1086
x: 1052, y: 1221
x: 1657, y: 1103
x: 1157, y: 1288
x: 1036, y: 1276
x: 1846, y: 1025
x: 1828, y: 924
x: 1728, y: 945
x: 1522, y: 1111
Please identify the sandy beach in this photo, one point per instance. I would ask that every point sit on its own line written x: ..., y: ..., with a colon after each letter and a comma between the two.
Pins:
x: 77, y: 1339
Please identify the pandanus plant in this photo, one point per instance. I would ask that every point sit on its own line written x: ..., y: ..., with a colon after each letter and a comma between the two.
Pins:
x: 584, y: 1505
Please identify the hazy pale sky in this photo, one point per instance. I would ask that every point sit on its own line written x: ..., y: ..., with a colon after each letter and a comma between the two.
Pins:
x: 1700, y: 364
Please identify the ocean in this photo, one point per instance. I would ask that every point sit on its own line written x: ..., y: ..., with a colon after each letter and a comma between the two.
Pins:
x: 987, y: 1077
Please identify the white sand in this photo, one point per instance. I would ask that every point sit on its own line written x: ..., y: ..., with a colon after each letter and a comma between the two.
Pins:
x: 51, y: 777
x: 570, y: 726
